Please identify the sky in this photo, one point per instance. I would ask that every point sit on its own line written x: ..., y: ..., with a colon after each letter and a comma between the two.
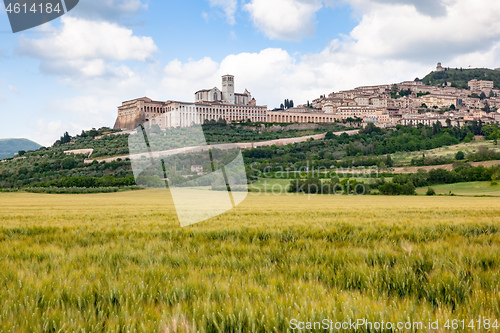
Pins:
x: 72, y: 73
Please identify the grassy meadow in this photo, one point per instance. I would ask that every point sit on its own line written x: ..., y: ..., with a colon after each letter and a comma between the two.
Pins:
x: 119, y: 262
x: 466, y: 189
x: 277, y: 185
x: 446, y: 151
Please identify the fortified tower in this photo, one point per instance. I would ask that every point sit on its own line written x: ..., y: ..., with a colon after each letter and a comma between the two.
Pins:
x: 228, y: 89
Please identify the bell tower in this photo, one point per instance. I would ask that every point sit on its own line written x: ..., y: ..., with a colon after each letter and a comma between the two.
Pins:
x: 228, y: 89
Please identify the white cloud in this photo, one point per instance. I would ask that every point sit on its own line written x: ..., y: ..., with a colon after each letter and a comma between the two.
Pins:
x: 6, y: 90
x: 228, y: 6
x: 83, y: 47
x: 273, y: 74
x: 84, y: 39
x: 427, y: 7
x: 13, y: 89
x: 182, y: 80
x: 401, y: 31
x: 284, y: 19
x: 387, y: 25
x: 479, y: 59
x: 47, y: 132
x: 205, y: 16
x: 94, y: 104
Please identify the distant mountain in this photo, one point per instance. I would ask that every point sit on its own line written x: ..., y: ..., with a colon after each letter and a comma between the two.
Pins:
x: 9, y: 147
x: 459, y: 77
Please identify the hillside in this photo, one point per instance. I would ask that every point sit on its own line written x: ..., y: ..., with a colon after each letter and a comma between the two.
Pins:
x: 9, y: 147
x: 46, y: 165
x: 459, y: 77
x: 50, y: 167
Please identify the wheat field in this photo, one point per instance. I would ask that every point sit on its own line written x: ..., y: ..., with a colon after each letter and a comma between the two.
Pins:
x: 119, y: 262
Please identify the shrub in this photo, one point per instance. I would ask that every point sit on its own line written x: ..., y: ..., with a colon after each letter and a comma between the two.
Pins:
x: 68, y: 163
x: 430, y: 191
x: 316, y: 186
x: 310, y: 186
x: 397, y: 189
x: 78, y: 190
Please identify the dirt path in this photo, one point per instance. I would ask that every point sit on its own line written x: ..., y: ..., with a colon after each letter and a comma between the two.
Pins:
x: 242, y: 145
x: 287, y: 141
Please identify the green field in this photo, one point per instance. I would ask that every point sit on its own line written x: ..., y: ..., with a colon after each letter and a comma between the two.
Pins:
x: 120, y: 262
x: 466, y: 189
x: 275, y: 185
x: 448, y: 151
x: 270, y: 184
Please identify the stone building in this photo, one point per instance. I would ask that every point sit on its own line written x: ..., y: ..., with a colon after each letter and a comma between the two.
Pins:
x: 224, y: 96
x: 440, y: 101
x: 135, y: 112
x: 210, y: 104
x: 475, y: 85
x: 300, y: 117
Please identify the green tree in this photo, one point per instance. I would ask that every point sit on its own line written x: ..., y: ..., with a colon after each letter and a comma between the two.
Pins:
x: 23, y: 170
x: 371, y: 128
x: 155, y: 128
x: 397, y: 189
x: 408, y: 189
x: 436, y: 127
x: 459, y: 156
x: 495, y: 178
x: 93, y: 133
x: 68, y: 163
x: 66, y: 138
x: 404, y: 93
x: 223, y: 122
x: 486, y: 107
x: 468, y: 137
x: 389, y: 161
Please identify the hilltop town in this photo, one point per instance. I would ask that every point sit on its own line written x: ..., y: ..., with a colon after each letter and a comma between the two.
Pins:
x: 387, y: 105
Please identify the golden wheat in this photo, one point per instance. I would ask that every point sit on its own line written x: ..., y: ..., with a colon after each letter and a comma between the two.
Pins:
x: 120, y: 262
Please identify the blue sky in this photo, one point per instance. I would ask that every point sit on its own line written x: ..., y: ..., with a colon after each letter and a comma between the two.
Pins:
x: 72, y: 73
